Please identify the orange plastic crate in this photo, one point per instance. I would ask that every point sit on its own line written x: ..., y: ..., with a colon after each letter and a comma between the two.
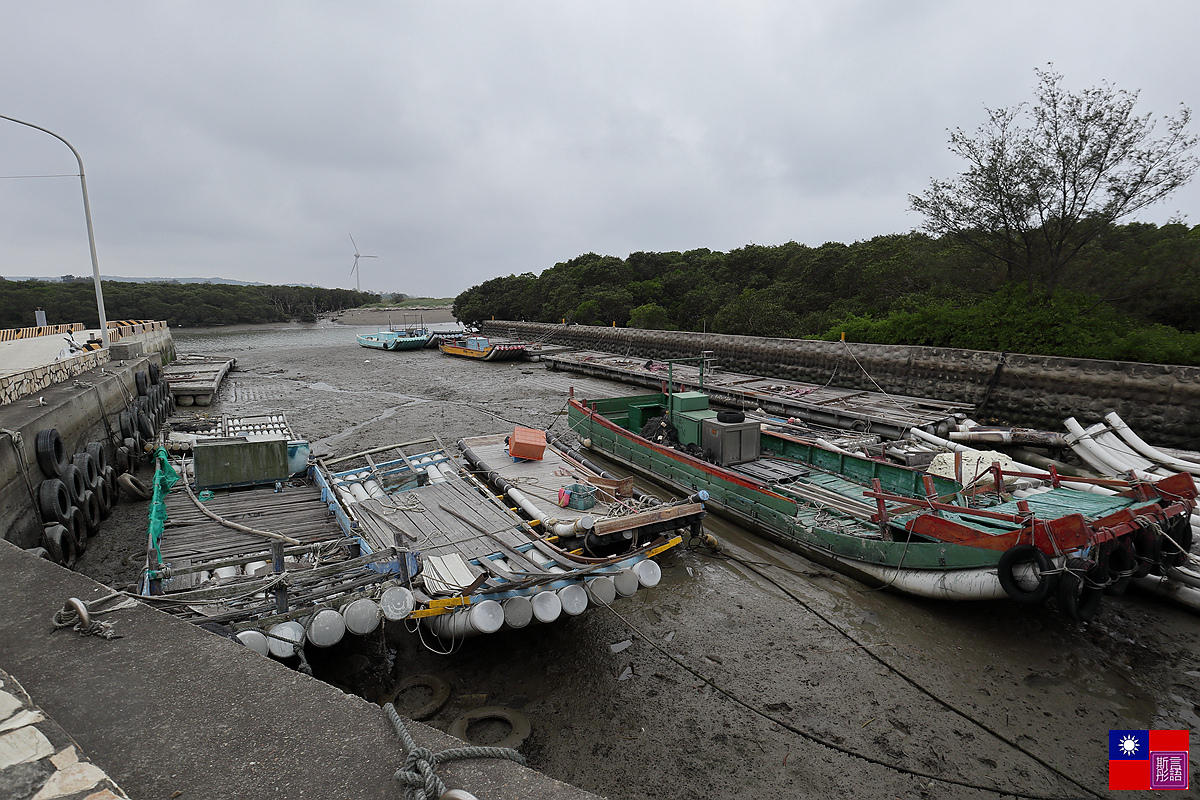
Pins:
x: 527, y: 443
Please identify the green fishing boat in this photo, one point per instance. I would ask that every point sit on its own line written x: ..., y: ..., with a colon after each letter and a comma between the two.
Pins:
x: 893, y: 526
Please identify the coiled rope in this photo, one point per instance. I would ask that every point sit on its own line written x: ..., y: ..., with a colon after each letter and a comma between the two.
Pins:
x: 419, y: 774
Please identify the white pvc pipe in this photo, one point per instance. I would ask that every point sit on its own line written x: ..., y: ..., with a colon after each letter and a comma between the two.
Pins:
x: 1107, y: 462
x: 1103, y: 437
x: 1152, y: 453
x: 917, y: 433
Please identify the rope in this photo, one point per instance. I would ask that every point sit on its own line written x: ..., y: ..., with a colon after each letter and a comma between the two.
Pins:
x: 419, y: 774
x: 907, y: 679
x: 825, y: 742
x: 18, y: 443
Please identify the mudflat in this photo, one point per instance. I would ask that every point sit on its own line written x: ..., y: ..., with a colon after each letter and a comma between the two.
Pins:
x: 752, y: 673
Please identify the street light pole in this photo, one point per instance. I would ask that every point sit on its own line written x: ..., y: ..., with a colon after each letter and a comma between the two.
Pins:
x: 87, y: 213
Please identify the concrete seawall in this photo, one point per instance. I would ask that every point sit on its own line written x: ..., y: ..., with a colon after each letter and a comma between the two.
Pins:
x: 83, y: 408
x: 1162, y: 402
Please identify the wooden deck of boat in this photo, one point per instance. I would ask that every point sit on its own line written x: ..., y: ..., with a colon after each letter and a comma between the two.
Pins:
x: 538, y: 480
x: 424, y: 519
x: 192, y: 537
x: 822, y: 404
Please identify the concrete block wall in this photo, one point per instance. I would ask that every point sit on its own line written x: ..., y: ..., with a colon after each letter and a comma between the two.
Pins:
x: 1162, y: 402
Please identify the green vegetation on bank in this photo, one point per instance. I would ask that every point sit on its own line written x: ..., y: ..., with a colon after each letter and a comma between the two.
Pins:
x: 1132, y: 293
x: 180, y: 304
x: 405, y: 301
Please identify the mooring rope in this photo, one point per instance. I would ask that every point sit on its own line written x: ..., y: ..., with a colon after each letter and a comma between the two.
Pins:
x: 419, y: 774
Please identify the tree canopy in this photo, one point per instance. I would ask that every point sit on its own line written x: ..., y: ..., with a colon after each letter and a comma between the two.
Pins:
x: 1045, y: 179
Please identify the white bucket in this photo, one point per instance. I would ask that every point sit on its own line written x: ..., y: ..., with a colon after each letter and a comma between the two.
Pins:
x: 546, y: 606
x: 518, y: 612
x: 602, y: 591
x: 255, y: 640
x: 627, y: 582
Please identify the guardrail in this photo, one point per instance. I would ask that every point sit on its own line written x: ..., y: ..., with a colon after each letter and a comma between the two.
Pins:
x: 12, y: 334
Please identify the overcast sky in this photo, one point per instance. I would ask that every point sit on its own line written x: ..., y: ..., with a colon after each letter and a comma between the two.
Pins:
x: 461, y: 141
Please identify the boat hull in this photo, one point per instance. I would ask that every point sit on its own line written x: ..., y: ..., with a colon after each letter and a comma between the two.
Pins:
x: 929, y: 569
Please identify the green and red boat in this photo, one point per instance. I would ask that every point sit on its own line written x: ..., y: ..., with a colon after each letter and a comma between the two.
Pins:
x: 893, y: 526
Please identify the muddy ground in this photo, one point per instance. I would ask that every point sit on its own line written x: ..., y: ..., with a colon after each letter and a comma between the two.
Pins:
x: 804, y: 685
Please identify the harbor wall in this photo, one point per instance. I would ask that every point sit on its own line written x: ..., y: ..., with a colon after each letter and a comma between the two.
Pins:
x: 83, y: 406
x: 1161, y: 402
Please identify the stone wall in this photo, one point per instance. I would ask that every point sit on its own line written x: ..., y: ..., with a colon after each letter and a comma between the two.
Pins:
x: 1162, y: 402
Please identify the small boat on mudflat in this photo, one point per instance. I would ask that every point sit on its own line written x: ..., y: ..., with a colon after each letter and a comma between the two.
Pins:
x: 893, y: 526
x: 483, y: 349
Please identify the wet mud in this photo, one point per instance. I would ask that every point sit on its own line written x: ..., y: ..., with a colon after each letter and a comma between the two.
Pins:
x: 748, y: 673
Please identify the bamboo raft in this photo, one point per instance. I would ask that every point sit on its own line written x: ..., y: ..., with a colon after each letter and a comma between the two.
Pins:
x: 195, y: 380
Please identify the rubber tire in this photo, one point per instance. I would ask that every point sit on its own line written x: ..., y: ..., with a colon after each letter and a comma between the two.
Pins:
x: 54, y: 500
x: 76, y: 485
x: 60, y: 545
x: 51, y: 455
x: 87, y: 466
x: 1120, y: 559
x: 110, y: 479
x: 104, y: 494
x: 40, y: 552
x: 518, y: 721
x: 125, y: 421
x: 1076, y: 599
x: 142, y: 382
x: 121, y: 457
x: 1144, y: 541
x: 439, y: 687
x: 1019, y: 554
x: 135, y: 489
x: 1169, y: 556
x: 77, y: 526
x: 89, y: 507
x: 155, y: 373
x: 731, y: 416
x: 99, y: 454
x: 146, y: 427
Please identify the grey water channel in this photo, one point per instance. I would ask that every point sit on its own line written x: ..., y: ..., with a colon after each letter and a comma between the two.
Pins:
x: 748, y: 672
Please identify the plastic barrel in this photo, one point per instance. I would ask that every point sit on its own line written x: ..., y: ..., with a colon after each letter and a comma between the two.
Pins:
x: 546, y: 606
x: 602, y: 591
x: 518, y: 612
x: 574, y: 599
x: 292, y: 632
x: 255, y: 640
x: 648, y: 573
x: 362, y: 616
x: 626, y: 581
x: 397, y: 603
x: 327, y: 628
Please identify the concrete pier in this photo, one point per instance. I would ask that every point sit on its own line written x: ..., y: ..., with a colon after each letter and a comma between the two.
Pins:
x: 1160, y: 401
x: 171, y: 710
x: 81, y: 400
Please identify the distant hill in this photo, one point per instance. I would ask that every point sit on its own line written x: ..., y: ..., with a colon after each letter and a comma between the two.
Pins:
x: 120, y: 279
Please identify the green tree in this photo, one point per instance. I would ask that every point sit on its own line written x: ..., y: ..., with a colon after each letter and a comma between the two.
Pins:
x: 1045, y: 179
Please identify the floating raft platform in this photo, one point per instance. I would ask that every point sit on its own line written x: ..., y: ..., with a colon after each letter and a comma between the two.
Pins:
x: 891, y: 416
x: 195, y: 379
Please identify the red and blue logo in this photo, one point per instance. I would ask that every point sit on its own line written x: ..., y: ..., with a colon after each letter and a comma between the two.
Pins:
x: 1148, y: 760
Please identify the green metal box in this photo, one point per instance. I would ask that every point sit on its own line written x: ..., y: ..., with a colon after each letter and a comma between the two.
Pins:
x: 688, y: 425
x: 689, y: 401
x: 641, y: 413
x: 238, y: 462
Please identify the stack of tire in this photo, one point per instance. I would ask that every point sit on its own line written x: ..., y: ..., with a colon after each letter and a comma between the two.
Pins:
x: 149, y: 410
x: 78, y: 492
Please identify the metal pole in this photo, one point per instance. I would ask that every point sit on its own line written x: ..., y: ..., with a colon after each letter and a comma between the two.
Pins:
x: 87, y: 213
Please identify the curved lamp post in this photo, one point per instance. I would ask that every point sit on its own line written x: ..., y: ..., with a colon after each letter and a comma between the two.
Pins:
x: 87, y: 213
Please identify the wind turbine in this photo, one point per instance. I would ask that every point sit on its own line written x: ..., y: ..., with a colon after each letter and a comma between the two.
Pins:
x: 354, y: 269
